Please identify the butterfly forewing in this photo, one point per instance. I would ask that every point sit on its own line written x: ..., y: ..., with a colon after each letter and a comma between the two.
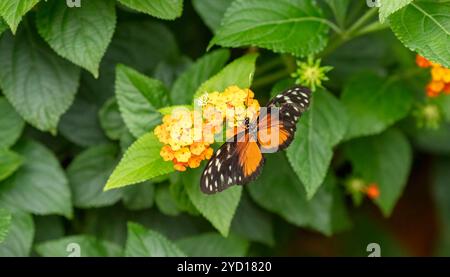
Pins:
x: 236, y: 162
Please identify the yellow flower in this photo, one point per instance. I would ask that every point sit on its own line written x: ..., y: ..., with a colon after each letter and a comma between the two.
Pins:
x: 183, y: 155
x: 188, y: 134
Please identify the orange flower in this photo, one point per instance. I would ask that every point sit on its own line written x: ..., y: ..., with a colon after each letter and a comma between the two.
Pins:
x: 434, y: 88
x: 187, y: 134
x: 446, y: 89
x: 372, y: 191
x: 422, y: 62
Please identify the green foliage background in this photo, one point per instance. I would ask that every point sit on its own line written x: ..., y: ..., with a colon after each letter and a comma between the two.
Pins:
x: 83, y: 88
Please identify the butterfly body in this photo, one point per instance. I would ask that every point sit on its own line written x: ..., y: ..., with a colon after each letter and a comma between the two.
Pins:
x: 240, y: 159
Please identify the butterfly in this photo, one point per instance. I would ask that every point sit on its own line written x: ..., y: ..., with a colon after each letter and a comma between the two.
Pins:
x: 240, y: 159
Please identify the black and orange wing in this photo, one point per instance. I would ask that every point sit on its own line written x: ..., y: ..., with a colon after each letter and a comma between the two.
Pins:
x: 237, y: 162
x: 277, y: 123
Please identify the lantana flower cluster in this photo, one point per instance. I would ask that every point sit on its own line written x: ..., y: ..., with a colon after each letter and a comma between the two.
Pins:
x: 440, y: 77
x: 188, y: 134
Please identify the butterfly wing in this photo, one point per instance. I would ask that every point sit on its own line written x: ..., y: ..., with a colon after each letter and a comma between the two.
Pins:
x: 237, y: 162
x: 277, y: 125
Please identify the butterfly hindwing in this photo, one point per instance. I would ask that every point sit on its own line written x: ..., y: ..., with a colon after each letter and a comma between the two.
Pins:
x: 234, y: 163
x: 289, y: 106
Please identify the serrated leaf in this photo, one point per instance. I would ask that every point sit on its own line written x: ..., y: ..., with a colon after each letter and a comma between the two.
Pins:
x: 110, y: 119
x: 80, y: 35
x: 130, y: 46
x: 80, y: 123
x: 11, y: 124
x: 285, y: 26
x: 40, y: 186
x: 12, y: 11
x: 424, y: 27
x: 279, y: 190
x: 388, y: 7
x: 219, y: 208
x: 147, y: 243
x: 9, y: 163
x: 139, y: 99
x: 384, y: 159
x: 253, y: 223
x: 374, y: 104
x: 321, y: 128
x: 5, y: 224
x: 87, y: 175
x: 239, y: 73
x: 141, y: 162
x: 167, y: 71
x: 78, y: 246
x: 211, y: 11
x: 139, y: 197
x: 163, y: 9
x: 185, y: 86
x: 20, y: 236
x: 213, y: 245
x: 40, y: 85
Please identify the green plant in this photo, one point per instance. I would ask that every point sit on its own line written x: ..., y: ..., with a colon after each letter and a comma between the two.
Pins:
x: 82, y: 90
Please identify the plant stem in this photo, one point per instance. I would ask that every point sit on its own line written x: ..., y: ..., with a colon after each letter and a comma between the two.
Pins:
x: 269, y: 65
x: 270, y: 78
x: 350, y: 33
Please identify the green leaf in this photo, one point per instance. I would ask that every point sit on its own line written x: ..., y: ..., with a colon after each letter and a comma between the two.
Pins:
x: 147, y: 243
x: 321, y: 128
x: 163, y: 9
x: 87, y: 175
x: 139, y: 197
x: 167, y: 71
x: 443, y: 102
x: 374, y: 104
x: 3, y: 26
x: 423, y: 26
x: 213, y: 245
x: 11, y: 124
x: 110, y: 119
x: 279, y: 190
x: 80, y: 35
x: 441, y: 192
x: 9, y: 163
x: 5, y: 224
x: 165, y: 201
x: 48, y: 227
x: 87, y: 246
x: 141, y: 162
x: 388, y: 7
x: 239, y: 73
x: 80, y: 124
x: 20, y: 236
x: 40, y: 186
x: 139, y: 99
x: 185, y: 86
x: 12, y: 11
x: 384, y: 159
x: 211, y: 11
x: 40, y: 85
x: 130, y: 46
x: 253, y: 223
x: 286, y: 26
x: 219, y: 208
